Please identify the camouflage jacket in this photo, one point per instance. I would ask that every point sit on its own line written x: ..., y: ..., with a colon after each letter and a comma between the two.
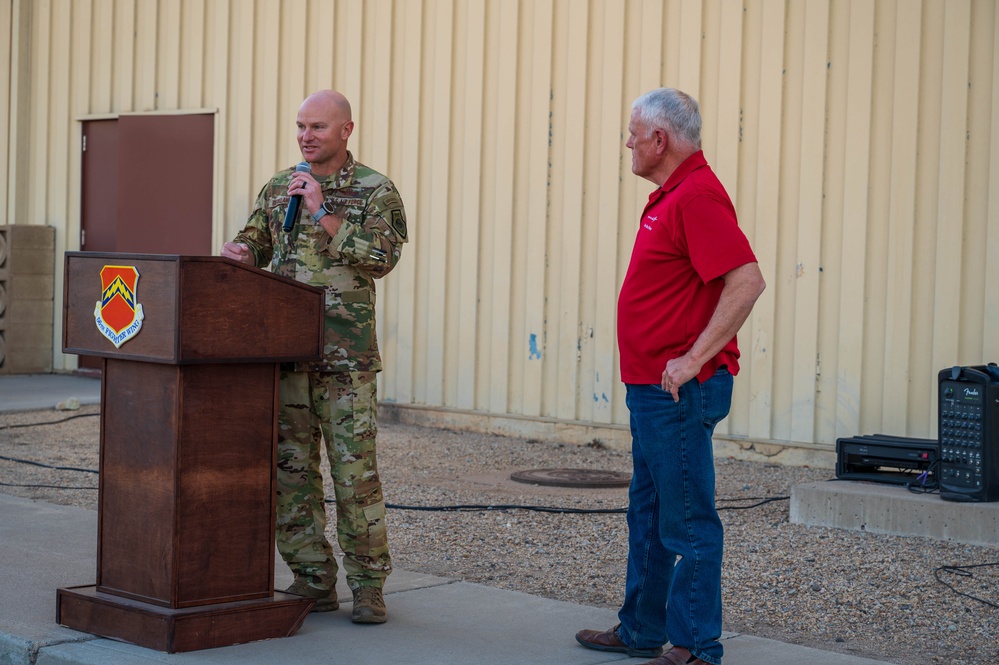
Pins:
x: 367, y: 246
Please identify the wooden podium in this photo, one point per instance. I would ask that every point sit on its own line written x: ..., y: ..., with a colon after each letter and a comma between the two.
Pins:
x: 185, y: 554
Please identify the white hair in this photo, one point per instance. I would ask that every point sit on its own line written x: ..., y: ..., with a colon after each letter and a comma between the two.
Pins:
x: 676, y: 112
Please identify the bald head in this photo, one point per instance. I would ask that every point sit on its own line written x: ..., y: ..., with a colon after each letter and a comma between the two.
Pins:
x: 324, y: 125
x: 331, y: 101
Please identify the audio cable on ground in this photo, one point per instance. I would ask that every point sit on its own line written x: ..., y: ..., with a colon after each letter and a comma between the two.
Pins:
x: 50, y: 422
x: 962, y: 571
x: 452, y: 508
x: 46, y: 466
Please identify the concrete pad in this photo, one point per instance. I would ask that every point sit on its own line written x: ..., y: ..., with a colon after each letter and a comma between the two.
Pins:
x: 35, y: 561
x: 894, y: 510
x: 29, y: 392
x: 746, y: 649
x: 44, y: 547
x: 453, y: 623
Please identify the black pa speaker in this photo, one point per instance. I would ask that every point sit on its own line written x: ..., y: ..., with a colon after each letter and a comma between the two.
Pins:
x: 969, y: 433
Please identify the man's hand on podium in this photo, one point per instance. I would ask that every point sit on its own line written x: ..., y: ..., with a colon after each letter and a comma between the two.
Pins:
x: 238, y: 252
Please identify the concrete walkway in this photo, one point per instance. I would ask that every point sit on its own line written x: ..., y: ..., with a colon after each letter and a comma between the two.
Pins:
x: 433, y: 620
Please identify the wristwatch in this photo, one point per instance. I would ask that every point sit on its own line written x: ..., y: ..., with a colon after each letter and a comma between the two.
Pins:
x: 319, y: 214
x: 325, y: 209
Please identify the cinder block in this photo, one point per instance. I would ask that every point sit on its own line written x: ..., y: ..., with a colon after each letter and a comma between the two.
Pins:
x: 32, y: 357
x: 26, y: 312
x: 30, y: 236
x: 27, y: 297
x: 30, y: 288
x: 27, y: 250
x: 894, y: 510
x: 29, y: 261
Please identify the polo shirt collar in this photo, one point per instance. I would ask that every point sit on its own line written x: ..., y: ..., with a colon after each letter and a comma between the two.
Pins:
x: 686, y: 167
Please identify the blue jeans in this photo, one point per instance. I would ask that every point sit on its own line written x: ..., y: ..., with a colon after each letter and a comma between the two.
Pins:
x: 675, y: 538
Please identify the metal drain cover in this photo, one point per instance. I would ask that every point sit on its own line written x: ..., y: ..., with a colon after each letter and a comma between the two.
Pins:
x: 572, y: 477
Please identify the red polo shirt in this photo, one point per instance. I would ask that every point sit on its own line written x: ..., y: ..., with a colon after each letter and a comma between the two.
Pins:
x: 688, y: 238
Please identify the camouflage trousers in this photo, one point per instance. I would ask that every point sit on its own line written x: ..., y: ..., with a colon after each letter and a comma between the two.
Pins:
x: 338, y: 408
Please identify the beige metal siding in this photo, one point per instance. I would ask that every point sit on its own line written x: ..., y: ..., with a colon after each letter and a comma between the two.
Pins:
x: 858, y: 138
x: 7, y: 78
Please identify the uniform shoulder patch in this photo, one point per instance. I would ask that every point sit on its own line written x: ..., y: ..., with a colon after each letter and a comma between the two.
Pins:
x: 398, y: 223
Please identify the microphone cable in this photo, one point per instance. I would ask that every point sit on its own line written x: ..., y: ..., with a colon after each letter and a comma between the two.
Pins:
x: 50, y: 422
x: 468, y: 507
x: 448, y: 508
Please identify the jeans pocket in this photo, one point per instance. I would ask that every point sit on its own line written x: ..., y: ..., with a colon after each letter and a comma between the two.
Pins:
x: 716, y: 397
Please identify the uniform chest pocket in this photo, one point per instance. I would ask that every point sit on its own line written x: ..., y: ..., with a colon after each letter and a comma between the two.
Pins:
x: 361, y: 295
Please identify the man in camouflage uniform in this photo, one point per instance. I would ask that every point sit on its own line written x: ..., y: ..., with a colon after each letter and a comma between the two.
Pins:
x: 350, y: 232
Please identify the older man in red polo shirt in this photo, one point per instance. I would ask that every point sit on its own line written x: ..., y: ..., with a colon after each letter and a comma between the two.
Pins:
x: 691, y: 284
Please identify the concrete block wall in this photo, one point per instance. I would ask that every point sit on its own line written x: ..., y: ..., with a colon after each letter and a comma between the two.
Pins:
x: 27, y: 298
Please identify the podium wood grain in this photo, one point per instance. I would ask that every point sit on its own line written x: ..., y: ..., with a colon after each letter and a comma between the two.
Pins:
x: 186, y: 505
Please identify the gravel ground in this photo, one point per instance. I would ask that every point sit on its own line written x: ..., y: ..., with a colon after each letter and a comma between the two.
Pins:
x: 854, y: 592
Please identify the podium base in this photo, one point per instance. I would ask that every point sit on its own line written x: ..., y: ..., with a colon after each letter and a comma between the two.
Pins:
x: 174, y: 630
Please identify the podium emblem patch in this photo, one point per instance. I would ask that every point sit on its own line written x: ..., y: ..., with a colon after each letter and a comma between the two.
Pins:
x: 119, y: 315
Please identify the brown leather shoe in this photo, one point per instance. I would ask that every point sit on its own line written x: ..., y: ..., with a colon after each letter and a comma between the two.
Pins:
x: 677, y: 656
x: 608, y: 640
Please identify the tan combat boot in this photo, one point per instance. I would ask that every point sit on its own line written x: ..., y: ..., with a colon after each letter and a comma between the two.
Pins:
x: 369, y: 606
x: 326, y: 600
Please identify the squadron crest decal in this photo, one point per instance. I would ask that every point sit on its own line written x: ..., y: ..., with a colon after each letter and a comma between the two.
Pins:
x: 119, y: 316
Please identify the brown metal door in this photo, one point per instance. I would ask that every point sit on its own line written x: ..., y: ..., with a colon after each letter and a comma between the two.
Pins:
x: 165, y: 184
x: 147, y: 187
x: 147, y: 184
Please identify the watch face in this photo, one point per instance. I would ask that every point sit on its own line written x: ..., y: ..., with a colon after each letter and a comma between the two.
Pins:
x: 327, y: 206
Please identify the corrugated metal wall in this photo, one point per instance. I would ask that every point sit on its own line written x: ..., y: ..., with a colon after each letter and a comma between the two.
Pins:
x: 858, y: 138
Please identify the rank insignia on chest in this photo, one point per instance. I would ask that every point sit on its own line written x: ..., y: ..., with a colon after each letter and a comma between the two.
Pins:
x: 118, y: 313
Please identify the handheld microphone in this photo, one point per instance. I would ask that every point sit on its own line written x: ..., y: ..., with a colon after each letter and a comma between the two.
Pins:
x: 296, y: 201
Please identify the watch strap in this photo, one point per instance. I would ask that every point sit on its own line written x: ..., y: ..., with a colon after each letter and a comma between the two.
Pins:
x: 319, y: 214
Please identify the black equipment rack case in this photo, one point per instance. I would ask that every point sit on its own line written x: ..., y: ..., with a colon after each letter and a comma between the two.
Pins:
x: 882, y: 458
